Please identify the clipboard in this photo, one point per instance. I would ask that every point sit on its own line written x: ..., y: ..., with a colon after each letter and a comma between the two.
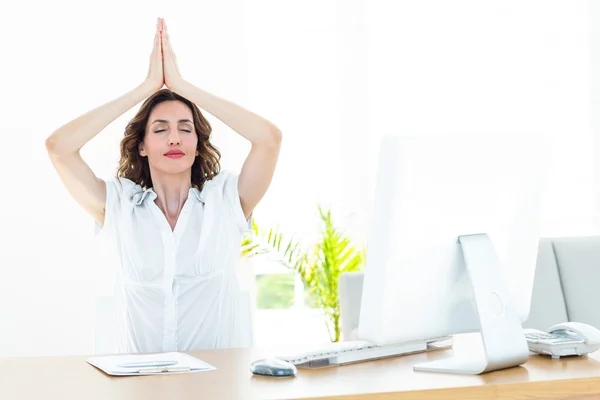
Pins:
x: 149, y: 364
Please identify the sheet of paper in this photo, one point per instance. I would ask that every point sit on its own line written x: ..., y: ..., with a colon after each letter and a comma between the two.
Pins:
x: 143, y: 364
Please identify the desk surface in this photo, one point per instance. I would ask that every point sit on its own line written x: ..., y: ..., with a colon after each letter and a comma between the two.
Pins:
x: 72, y: 378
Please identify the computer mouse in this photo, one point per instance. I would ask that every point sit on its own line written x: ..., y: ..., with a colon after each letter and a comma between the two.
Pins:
x: 273, y: 367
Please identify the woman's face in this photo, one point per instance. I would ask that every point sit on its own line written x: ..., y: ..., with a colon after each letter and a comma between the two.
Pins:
x: 171, y: 141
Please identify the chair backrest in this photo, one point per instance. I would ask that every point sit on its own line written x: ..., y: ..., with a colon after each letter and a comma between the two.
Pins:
x: 566, y: 286
x: 105, y: 341
x: 578, y: 261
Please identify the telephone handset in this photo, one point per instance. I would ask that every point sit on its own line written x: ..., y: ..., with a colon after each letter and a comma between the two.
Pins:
x: 565, y: 339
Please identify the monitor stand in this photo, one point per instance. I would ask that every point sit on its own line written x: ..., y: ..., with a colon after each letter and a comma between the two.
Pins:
x: 504, y: 343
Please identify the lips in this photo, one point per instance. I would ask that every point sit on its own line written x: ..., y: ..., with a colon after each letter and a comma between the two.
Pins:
x: 174, y: 154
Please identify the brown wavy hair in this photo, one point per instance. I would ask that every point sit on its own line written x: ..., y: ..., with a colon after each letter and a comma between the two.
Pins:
x: 135, y: 167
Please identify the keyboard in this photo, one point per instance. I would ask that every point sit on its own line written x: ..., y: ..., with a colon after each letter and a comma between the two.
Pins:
x: 347, y: 352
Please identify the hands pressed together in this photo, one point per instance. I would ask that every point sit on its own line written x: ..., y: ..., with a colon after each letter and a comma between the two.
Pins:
x: 163, y: 63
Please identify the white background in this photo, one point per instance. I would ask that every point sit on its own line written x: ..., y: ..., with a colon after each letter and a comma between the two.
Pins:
x: 332, y: 75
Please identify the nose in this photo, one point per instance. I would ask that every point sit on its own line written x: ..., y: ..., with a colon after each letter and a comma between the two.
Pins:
x: 174, y: 139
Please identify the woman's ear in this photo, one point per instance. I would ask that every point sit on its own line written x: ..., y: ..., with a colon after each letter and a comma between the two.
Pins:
x: 141, y: 150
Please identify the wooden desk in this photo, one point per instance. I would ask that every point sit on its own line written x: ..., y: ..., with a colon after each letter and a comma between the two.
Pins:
x: 68, y: 378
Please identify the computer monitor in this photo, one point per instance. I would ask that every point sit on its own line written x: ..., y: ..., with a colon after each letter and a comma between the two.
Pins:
x: 453, y: 244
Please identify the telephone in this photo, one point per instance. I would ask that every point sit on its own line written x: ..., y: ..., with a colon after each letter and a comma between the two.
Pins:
x: 566, y: 339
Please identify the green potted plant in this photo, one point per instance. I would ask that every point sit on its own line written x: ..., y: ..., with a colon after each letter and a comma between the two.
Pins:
x: 319, y: 266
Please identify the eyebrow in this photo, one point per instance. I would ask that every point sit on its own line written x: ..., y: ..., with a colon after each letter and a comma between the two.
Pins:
x: 165, y: 121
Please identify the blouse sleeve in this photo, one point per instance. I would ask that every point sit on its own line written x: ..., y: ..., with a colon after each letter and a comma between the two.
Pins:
x: 113, y: 205
x: 231, y: 198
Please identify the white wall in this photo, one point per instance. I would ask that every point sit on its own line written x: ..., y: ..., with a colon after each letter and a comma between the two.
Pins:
x: 489, y: 67
x: 333, y: 75
x: 594, y: 13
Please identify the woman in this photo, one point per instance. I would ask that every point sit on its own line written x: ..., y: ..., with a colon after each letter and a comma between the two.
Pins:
x: 176, y: 219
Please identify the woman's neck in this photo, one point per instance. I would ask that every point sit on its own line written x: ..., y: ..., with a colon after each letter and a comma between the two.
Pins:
x: 171, y: 192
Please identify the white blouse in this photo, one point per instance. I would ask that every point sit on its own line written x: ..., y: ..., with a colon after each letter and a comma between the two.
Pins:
x: 178, y: 290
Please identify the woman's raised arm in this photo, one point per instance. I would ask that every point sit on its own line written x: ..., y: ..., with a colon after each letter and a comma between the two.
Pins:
x: 64, y: 144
